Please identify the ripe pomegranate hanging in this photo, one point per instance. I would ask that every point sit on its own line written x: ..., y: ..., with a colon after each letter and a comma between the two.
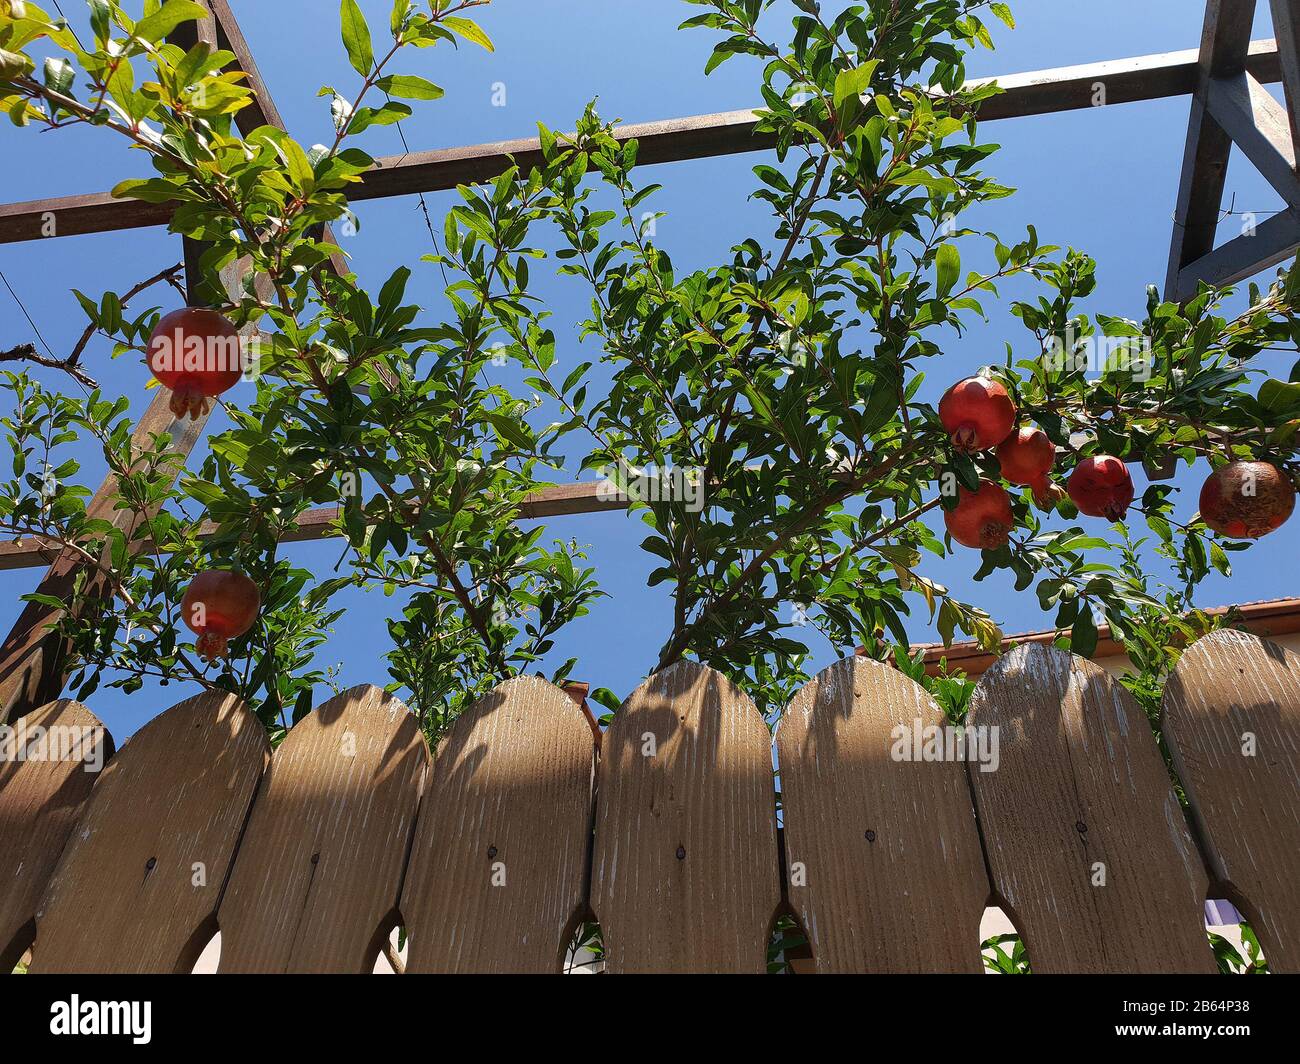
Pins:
x: 218, y: 606
x: 1026, y: 458
x: 1102, y: 487
x: 982, y: 518
x: 978, y: 413
x: 1246, y: 500
x: 197, y: 354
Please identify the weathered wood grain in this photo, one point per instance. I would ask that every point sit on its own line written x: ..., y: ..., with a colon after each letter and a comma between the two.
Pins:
x: 48, y: 765
x: 685, y: 873
x: 1260, y: 127
x: 884, y: 868
x: 1081, y: 792
x: 1233, y: 693
x: 138, y: 885
x: 498, y: 871
x: 319, y: 870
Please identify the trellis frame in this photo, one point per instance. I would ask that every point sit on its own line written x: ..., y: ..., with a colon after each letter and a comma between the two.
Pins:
x: 1224, y: 78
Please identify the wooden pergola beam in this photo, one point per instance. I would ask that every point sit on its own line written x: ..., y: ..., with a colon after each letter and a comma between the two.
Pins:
x: 1040, y: 92
x: 1259, y: 126
x: 1231, y: 106
x: 1274, y: 241
x: 1286, y: 30
x: 263, y: 111
x: 559, y: 500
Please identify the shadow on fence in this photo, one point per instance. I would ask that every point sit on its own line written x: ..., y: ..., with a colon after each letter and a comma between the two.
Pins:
x: 1053, y: 803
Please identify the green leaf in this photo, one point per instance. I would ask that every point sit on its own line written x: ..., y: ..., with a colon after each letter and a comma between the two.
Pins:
x: 850, y: 83
x: 58, y: 75
x: 158, y: 25
x: 1280, y: 397
x: 948, y: 264
x: 409, y: 87
x: 100, y: 16
x: 1219, y: 559
x: 401, y: 12
x: 1003, y: 12
x: 356, y: 38
x: 469, y: 30
x: 1083, y: 637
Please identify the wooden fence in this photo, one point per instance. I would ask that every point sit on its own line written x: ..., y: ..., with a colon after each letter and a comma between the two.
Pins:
x: 1056, y: 806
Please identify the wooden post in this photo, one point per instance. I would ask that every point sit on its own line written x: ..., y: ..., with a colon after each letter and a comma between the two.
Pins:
x: 1230, y: 106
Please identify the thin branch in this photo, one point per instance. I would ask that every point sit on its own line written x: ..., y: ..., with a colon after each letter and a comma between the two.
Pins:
x: 70, y: 365
x: 28, y: 353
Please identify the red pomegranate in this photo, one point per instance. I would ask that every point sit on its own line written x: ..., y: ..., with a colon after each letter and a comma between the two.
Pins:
x: 197, y: 354
x: 981, y: 519
x: 218, y: 606
x: 1102, y: 487
x: 1246, y: 500
x: 1026, y: 458
x: 978, y: 413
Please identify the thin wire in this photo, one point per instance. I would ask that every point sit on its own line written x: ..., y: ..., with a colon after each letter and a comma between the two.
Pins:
x: 37, y: 330
x: 75, y: 36
x: 428, y: 222
x: 35, y: 327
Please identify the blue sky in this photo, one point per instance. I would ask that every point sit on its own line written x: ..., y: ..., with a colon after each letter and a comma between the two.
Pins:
x: 1102, y: 180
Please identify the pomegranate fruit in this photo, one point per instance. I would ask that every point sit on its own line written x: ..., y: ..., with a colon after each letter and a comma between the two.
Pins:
x: 219, y: 605
x: 1026, y: 458
x: 1246, y: 500
x: 978, y: 413
x: 982, y: 518
x: 197, y: 354
x: 1101, y: 486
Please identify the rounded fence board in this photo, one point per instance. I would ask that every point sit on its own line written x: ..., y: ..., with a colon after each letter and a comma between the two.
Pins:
x: 1232, y: 721
x: 1089, y: 850
x: 498, y: 870
x: 49, y: 760
x: 884, y: 868
x: 685, y: 875
x: 315, y: 884
x: 139, y: 882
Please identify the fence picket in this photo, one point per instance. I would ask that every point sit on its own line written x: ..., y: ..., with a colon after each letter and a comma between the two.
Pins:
x: 40, y: 800
x: 685, y: 875
x: 498, y: 870
x: 1088, y: 847
x: 138, y: 884
x: 319, y: 870
x: 1232, y: 720
x: 884, y: 868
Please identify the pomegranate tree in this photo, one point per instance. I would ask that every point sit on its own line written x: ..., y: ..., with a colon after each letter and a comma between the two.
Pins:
x: 789, y: 378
